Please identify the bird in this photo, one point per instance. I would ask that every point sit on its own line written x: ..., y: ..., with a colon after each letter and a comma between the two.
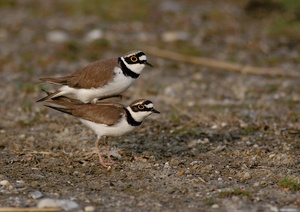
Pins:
x: 101, y: 79
x: 105, y: 118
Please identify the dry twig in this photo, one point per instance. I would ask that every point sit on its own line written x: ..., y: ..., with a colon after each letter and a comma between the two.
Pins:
x: 217, y: 64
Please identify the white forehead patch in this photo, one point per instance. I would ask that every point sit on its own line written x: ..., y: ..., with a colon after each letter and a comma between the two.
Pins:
x: 143, y: 58
x: 149, y: 105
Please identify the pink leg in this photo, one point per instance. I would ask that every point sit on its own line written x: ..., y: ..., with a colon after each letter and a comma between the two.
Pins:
x: 99, y: 153
x: 110, y: 161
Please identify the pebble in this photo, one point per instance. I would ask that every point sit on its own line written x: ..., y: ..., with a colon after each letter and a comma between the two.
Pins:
x: 214, y: 126
x: 20, y: 184
x: 247, y: 176
x: 22, y: 136
x: 167, y: 165
x: 272, y: 155
x: 57, y: 36
x: 93, y: 35
x: 89, y: 209
x: 174, y: 162
x: 66, y: 205
x: 195, y: 162
x: 30, y: 139
x: 36, y: 194
x: 5, y: 183
x: 215, y: 206
x: 257, y: 184
x: 175, y: 36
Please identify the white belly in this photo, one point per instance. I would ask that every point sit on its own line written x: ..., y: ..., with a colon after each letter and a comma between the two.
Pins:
x: 104, y: 130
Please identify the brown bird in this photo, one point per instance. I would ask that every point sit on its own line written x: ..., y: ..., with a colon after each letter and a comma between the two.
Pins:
x: 105, y: 119
x: 101, y: 79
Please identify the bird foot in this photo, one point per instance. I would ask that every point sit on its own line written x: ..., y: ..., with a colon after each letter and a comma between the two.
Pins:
x: 107, y: 164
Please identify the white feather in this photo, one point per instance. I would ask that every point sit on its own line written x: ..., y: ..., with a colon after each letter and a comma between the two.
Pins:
x: 143, y: 58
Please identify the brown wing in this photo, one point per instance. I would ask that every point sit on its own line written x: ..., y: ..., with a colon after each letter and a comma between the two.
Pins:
x: 94, y: 75
x: 108, y: 114
x: 102, y: 113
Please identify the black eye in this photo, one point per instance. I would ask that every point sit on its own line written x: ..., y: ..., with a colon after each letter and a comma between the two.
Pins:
x: 141, y: 107
x: 133, y: 59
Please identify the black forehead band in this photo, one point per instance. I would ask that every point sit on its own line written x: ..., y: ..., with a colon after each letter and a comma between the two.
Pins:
x: 147, y: 102
x: 140, y: 54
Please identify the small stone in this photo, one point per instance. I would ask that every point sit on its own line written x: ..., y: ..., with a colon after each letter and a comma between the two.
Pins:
x: 247, y: 176
x: 175, y: 36
x: 30, y: 139
x: 167, y: 165
x: 20, y: 184
x: 36, y: 194
x: 5, y: 183
x: 93, y: 35
x: 57, y: 36
x: 223, y: 124
x: 195, y: 162
x: 174, y: 162
x: 34, y: 184
x: 215, y: 206
x: 272, y: 155
x: 22, y: 136
x: 257, y: 184
x: 89, y: 209
x: 66, y: 205
x: 214, y: 126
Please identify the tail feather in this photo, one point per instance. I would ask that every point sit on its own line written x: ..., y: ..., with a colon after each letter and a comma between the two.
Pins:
x: 57, y: 81
x: 61, y: 109
x: 50, y: 96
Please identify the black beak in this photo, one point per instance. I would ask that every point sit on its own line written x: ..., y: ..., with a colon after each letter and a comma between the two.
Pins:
x: 154, y: 111
x: 148, y: 64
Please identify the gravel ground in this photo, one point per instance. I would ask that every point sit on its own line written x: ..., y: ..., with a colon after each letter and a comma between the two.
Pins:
x: 224, y: 141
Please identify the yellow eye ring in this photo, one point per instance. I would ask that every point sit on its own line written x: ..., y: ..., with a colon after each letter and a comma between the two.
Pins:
x: 141, y: 107
x: 133, y: 59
